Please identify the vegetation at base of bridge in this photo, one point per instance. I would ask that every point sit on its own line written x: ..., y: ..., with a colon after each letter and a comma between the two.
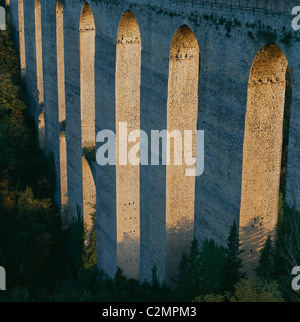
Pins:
x: 31, y: 240
x: 45, y: 263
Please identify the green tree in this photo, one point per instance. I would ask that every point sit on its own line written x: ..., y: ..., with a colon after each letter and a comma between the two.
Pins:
x: 195, y: 265
x: 184, y: 281
x: 287, y: 252
x: 233, y: 265
x: 265, y: 269
x: 213, y: 259
x: 120, y: 286
x: 255, y: 290
x: 89, y: 257
x: 211, y: 298
x: 188, y: 280
x: 247, y: 290
x: 155, y: 279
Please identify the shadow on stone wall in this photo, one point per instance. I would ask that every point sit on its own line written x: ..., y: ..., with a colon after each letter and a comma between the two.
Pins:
x: 254, y: 237
x: 178, y: 241
x: 128, y: 257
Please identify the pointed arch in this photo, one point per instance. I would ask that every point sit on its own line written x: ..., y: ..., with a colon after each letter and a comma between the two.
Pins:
x: 87, y: 35
x: 182, y: 115
x: 22, y: 38
x: 60, y: 62
x: 63, y: 179
x: 128, y: 82
x: 262, y: 151
x: 39, y: 50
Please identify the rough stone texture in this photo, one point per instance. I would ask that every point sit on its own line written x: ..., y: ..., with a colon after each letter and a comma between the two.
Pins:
x: 262, y: 151
x: 89, y: 194
x: 38, y: 50
x: 60, y: 63
x: 22, y: 38
x: 182, y: 115
x: 87, y: 100
x: 128, y: 83
x: 87, y: 76
x: 63, y: 180
x: 227, y: 52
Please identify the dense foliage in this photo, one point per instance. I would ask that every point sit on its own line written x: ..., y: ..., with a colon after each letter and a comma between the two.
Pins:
x: 31, y: 239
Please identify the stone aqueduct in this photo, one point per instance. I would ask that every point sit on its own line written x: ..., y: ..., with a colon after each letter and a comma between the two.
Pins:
x: 215, y: 65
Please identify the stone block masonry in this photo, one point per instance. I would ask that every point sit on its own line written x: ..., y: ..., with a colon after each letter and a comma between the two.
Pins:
x: 213, y: 65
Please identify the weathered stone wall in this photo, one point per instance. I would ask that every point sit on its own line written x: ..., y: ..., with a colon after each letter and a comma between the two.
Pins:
x: 182, y: 115
x: 229, y: 35
x: 63, y: 180
x: 128, y: 83
x: 21, y: 37
x: 262, y: 151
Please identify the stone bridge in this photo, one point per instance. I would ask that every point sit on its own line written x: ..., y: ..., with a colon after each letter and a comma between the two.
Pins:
x: 227, y: 67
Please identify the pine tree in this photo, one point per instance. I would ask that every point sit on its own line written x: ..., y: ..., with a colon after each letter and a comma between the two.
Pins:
x: 184, y: 281
x: 213, y: 259
x: 188, y: 281
x: 120, y: 286
x: 195, y: 264
x: 155, y: 279
x: 265, y: 267
x: 233, y: 266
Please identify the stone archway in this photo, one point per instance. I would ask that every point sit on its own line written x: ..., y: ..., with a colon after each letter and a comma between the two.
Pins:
x: 262, y: 152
